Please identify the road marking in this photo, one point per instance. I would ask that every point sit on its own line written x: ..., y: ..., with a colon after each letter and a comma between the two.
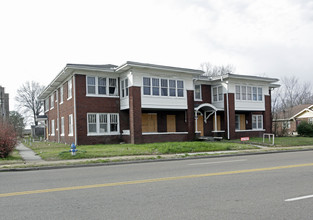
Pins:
x: 299, y: 198
x: 151, y: 180
x: 227, y: 161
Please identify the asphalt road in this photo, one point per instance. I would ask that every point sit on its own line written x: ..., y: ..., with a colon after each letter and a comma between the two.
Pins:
x: 269, y: 186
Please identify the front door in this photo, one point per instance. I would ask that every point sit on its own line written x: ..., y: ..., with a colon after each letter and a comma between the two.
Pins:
x: 171, y: 123
x: 200, y: 124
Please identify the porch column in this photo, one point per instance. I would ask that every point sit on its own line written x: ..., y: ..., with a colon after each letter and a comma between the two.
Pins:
x: 135, y: 124
x: 190, y: 115
x: 196, y: 121
x: 215, y: 121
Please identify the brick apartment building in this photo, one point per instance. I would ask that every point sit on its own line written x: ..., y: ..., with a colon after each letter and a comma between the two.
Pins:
x: 141, y: 103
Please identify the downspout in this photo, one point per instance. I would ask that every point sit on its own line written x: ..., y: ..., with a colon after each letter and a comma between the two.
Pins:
x: 58, y: 116
x: 227, y: 103
x: 74, y: 94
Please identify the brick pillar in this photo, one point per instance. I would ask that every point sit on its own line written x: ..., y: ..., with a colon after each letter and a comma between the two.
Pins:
x: 231, y: 108
x: 135, y: 115
x: 190, y: 115
x: 268, y: 115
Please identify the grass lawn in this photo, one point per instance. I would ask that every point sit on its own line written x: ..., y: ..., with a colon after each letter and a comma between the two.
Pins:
x: 285, y: 141
x: 14, y: 157
x: 55, y: 151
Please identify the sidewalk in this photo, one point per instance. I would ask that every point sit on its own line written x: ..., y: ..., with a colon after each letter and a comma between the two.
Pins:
x: 27, y: 154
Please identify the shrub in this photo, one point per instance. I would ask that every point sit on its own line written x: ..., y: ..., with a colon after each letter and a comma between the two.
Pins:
x: 305, y: 129
x: 8, y: 139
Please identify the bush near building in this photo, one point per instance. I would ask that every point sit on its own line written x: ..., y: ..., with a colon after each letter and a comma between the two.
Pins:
x: 305, y: 129
x: 8, y: 139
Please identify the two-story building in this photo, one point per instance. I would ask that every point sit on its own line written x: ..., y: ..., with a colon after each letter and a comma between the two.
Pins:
x: 141, y: 103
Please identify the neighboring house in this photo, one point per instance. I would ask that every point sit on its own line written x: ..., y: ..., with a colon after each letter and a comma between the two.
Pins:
x: 141, y: 103
x: 286, y: 121
x: 4, y: 104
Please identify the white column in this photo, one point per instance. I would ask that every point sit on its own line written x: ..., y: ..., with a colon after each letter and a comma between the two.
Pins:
x: 196, y: 121
x: 215, y: 121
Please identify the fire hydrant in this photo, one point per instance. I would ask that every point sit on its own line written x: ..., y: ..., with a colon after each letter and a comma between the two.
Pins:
x: 73, y: 149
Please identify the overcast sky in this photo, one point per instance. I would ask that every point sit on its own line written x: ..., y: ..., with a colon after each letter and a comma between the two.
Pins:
x: 259, y: 37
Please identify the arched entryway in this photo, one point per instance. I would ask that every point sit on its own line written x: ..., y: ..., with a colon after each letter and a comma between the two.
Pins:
x: 202, y: 113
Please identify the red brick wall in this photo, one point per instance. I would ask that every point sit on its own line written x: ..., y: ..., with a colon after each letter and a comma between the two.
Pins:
x: 206, y: 95
x: 231, y: 106
x: 164, y: 138
x: 86, y: 105
x: 268, y: 115
x: 135, y: 115
x: 190, y: 115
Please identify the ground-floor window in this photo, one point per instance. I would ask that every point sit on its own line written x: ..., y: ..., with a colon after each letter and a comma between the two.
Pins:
x: 240, y: 122
x: 257, y: 121
x: 52, y: 128
x: 70, y: 125
x: 149, y: 122
x: 102, y: 123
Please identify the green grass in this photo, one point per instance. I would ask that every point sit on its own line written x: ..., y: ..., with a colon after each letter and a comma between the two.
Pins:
x: 55, y: 151
x: 14, y: 157
x: 285, y: 141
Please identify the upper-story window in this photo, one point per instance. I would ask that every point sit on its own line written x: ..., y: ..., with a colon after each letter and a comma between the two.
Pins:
x: 124, y: 89
x: 61, y: 94
x: 163, y: 87
x: 52, y: 101
x: 217, y: 94
x: 69, y: 89
x: 197, y: 92
x: 47, y: 104
x: 250, y: 93
x: 101, y: 86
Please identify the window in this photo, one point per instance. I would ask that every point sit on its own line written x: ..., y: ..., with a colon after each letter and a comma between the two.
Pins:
x: 69, y: 89
x: 61, y: 94
x: 310, y: 120
x: 249, y: 93
x: 260, y: 94
x: 62, y: 126
x: 124, y: 89
x: 146, y: 86
x: 101, y: 86
x: 155, y: 87
x: 244, y: 93
x: 180, y: 88
x: 237, y: 122
x: 52, y: 128
x: 237, y: 92
x: 286, y: 125
x: 217, y: 93
x: 70, y: 125
x: 112, y: 86
x: 254, y: 93
x: 52, y: 101
x: 47, y: 104
x: 172, y: 87
x: 102, y: 123
x: 164, y: 87
x: 198, y: 92
x: 257, y: 121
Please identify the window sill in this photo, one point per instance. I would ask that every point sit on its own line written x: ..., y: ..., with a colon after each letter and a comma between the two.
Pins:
x: 157, y: 133
x: 107, y: 134
x: 69, y: 98
x: 102, y: 96
x: 250, y: 130
x: 70, y: 135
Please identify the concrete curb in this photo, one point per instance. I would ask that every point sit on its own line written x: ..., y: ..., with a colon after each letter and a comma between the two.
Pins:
x: 59, y: 164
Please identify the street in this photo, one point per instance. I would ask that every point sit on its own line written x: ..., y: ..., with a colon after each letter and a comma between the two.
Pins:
x: 265, y: 186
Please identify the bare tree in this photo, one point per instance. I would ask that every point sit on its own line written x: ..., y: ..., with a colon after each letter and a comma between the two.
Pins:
x: 27, y: 98
x: 212, y: 70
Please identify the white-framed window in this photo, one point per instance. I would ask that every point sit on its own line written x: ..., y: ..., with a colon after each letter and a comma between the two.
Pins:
x: 102, y: 123
x: 163, y: 87
x: 61, y: 94
x: 52, y: 128
x: 237, y: 122
x: 47, y: 104
x: 101, y: 86
x: 52, y: 101
x: 237, y: 93
x: 62, y: 126
x: 70, y: 125
x: 198, y: 92
x: 310, y: 120
x: 124, y: 89
x: 69, y: 89
x: 286, y: 125
x: 217, y: 93
x: 257, y: 122
x: 249, y: 93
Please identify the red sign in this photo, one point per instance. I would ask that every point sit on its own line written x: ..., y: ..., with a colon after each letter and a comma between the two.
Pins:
x: 244, y: 139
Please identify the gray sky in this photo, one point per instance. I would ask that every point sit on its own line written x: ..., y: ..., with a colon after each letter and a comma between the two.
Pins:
x: 259, y: 37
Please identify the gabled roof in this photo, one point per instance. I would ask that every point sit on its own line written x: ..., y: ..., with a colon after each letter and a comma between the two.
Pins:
x: 291, y: 113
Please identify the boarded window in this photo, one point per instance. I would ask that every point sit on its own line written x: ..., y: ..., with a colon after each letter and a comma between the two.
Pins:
x: 171, y: 123
x: 149, y: 122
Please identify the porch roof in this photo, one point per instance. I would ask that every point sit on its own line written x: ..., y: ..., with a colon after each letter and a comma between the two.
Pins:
x: 207, y: 107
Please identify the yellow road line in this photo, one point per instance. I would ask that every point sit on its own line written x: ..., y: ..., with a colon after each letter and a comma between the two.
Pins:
x: 151, y: 180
